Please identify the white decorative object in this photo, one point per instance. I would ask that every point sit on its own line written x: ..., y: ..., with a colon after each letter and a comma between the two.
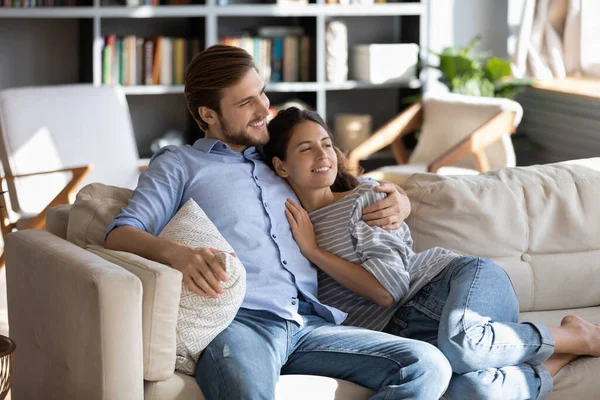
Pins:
x: 336, y: 47
x: 380, y: 63
x: 201, y: 319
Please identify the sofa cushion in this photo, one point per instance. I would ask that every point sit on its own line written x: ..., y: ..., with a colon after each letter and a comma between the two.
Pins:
x: 577, y: 380
x: 94, y: 208
x: 288, y: 387
x: 57, y: 220
x: 202, y: 318
x: 539, y: 223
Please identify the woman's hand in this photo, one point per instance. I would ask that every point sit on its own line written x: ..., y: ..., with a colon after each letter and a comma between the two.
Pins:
x: 302, y: 229
x: 390, y: 212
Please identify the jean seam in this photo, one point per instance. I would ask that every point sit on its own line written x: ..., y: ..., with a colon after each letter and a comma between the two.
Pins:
x: 380, y: 355
x: 216, y: 364
x: 362, y: 353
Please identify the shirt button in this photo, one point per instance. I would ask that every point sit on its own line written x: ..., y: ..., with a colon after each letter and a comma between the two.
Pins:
x: 274, y: 236
x: 294, y: 302
x: 224, y: 146
x: 284, y: 262
x: 255, y: 177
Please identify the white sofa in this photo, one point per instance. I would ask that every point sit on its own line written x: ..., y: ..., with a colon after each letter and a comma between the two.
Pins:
x: 98, y: 325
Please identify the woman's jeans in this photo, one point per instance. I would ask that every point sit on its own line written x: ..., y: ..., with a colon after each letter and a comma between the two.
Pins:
x: 245, y: 360
x: 470, y: 311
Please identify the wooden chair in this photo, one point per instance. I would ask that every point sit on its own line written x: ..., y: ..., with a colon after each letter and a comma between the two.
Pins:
x: 56, y: 139
x: 459, y: 135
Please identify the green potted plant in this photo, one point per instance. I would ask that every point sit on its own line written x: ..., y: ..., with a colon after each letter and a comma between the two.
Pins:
x: 477, y: 74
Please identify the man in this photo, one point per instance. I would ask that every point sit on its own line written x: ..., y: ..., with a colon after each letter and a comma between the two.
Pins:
x: 281, y: 326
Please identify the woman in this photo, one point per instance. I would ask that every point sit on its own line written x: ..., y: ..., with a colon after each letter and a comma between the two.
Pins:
x: 464, y: 305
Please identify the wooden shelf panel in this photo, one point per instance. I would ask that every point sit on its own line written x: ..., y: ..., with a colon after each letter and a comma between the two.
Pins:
x: 49, y: 12
x: 349, y: 85
x: 277, y: 10
x: 280, y: 87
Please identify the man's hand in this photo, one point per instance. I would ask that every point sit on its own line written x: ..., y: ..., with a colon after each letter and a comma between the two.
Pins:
x: 388, y: 213
x: 202, y: 272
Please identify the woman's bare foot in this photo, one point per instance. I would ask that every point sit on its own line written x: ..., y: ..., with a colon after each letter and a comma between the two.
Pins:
x: 576, y: 336
x: 557, y: 361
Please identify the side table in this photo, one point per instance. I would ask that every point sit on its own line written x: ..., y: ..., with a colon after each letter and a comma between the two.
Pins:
x: 7, y: 364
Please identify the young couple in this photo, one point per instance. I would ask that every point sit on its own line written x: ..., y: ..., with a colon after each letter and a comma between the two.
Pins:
x: 368, y: 274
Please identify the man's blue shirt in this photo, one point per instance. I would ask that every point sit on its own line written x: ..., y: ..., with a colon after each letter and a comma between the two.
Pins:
x: 245, y: 200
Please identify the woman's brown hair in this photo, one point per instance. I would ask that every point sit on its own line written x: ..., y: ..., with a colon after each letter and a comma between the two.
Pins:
x: 216, y: 68
x: 280, y: 132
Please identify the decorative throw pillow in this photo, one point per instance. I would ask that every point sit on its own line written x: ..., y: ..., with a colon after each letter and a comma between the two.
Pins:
x: 201, y: 319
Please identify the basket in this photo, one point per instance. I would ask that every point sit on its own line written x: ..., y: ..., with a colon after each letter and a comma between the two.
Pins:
x: 7, y: 364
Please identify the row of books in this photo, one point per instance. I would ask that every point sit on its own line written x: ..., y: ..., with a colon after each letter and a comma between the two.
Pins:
x: 351, y: 2
x: 132, y: 60
x: 135, y: 3
x: 39, y: 3
x: 282, y: 54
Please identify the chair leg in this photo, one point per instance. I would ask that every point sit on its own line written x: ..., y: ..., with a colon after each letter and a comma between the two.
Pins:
x: 2, y: 260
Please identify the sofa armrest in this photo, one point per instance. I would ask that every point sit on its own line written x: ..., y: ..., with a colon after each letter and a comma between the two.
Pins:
x: 76, y: 320
x: 160, y: 307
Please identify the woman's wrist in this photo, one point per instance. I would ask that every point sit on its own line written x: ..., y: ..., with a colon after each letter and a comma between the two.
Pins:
x: 314, y: 255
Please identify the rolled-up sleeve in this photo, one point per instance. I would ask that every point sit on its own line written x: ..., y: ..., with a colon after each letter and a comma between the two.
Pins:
x: 385, y: 254
x: 157, y: 196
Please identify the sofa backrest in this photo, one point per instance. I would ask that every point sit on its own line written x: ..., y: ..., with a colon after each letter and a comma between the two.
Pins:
x: 540, y: 223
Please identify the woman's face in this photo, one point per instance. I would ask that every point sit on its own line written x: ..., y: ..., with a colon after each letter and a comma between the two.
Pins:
x: 310, y: 161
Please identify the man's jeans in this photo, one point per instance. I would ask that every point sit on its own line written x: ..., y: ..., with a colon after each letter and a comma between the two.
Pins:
x: 470, y: 311
x: 245, y: 360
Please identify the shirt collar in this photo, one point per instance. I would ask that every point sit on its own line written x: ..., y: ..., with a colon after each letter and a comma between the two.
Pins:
x: 214, y: 145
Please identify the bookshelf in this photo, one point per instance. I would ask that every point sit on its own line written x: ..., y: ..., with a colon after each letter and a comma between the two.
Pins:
x: 157, y: 108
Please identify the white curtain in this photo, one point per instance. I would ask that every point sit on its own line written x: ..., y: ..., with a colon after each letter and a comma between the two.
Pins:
x: 558, y: 38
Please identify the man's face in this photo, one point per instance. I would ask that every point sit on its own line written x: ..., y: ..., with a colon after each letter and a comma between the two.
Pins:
x: 244, y: 111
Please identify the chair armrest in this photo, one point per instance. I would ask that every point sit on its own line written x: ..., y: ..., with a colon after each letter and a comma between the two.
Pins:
x: 76, y: 320
x: 406, y: 122
x: 66, y: 195
x: 477, y: 142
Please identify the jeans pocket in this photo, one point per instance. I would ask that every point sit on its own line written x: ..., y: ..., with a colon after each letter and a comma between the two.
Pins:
x: 396, y: 327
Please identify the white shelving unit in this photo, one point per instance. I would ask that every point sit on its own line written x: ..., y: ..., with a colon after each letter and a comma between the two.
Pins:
x: 214, y: 17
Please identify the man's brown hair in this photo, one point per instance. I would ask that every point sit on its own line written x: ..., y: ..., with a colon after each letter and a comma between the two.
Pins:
x: 216, y: 68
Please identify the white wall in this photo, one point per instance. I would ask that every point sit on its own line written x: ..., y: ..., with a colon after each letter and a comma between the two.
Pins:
x: 456, y: 22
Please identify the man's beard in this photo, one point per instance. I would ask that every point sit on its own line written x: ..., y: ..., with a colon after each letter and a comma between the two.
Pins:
x: 240, y: 137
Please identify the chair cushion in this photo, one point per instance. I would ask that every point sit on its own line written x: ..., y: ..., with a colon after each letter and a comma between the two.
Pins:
x: 538, y: 222
x: 72, y: 129
x: 450, y: 118
x: 200, y: 319
x: 399, y: 174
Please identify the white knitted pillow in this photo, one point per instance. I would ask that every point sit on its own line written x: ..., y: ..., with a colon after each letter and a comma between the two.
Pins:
x: 201, y: 319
